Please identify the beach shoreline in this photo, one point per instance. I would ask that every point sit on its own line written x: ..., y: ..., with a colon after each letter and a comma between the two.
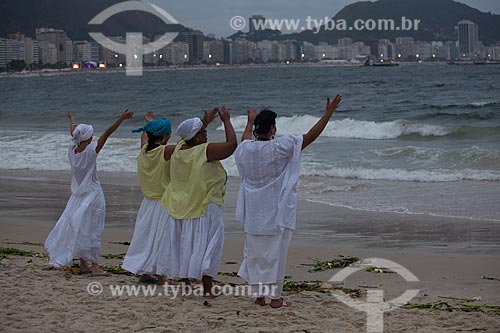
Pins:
x: 448, y: 256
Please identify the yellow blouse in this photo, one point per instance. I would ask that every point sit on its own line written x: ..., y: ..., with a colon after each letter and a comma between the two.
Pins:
x: 194, y: 183
x: 153, y: 172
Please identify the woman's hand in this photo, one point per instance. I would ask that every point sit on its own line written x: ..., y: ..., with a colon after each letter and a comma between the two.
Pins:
x: 126, y: 115
x: 210, y: 115
x: 71, y: 118
x: 247, y: 133
x: 224, y: 114
x: 332, y: 106
x: 252, y: 113
x: 149, y: 116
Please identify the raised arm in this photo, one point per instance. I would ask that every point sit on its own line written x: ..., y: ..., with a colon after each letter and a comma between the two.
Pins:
x: 107, y: 133
x: 318, y: 128
x: 149, y: 117
x: 72, y: 123
x: 210, y: 116
x: 222, y: 150
x: 247, y: 134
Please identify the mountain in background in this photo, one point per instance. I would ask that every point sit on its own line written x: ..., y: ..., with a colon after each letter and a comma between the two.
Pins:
x: 73, y: 16
x: 439, y: 19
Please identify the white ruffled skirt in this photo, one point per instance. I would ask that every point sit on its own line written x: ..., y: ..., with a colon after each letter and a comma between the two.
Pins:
x: 200, y: 244
x: 77, y: 233
x: 154, y: 246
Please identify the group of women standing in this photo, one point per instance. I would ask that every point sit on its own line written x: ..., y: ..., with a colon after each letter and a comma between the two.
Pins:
x: 179, y: 230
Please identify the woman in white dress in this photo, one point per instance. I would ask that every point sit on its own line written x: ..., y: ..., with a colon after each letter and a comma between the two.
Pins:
x: 194, y: 198
x: 77, y: 233
x: 150, y: 249
x: 269, y: 169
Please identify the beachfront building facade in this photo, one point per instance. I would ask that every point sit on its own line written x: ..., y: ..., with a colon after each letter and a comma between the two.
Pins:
x: 194, y: 39
x: 213, y: 51
x: 85, y: 51
x: 56, y: 40
x: 468, y: 37
x: 18, y: 48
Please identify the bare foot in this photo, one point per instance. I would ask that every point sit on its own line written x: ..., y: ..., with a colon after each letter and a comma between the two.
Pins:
x: 260, y: 301
x: 186, y: 285
x: 278, y: 303
x: 147, y: 278
x: 97, y: 271
x: 84, y: 267
x: 160, y: 280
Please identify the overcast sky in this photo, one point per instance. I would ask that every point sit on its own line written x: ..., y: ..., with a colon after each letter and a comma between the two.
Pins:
x: 213, y: 16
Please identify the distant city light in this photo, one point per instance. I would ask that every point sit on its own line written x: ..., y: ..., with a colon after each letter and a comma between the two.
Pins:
x: 324, y: 55
x: 121, y: 65
x: 417, y: 55
x: 303, y: 55
x: 288, y: 62
x: 154, y: 55
x: 161, y: 56
x: 434, y: 56
x: 210, y: 56
x: 185, y: 56
x: 381, y: 55
x: 399, y: 55
x: 116, y: 55
x: 135, y: 56
x: 102, y: 65
x: 76, y: 66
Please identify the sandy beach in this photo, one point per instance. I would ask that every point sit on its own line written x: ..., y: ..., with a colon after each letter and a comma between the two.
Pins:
x: 449, y: 256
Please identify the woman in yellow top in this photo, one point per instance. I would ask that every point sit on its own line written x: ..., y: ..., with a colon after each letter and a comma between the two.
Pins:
x: 150, y: 249
x: 194, y: 197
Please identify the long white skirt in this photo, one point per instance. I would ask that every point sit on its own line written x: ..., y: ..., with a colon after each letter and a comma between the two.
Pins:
x: 264, y: 263
x: 77, y: 233
x: 154, y: 246
x: 201, y: 243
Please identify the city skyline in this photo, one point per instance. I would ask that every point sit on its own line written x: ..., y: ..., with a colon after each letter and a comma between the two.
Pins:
x: 216, y: 17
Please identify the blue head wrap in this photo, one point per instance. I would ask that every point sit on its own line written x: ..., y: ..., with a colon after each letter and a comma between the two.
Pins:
x: 157, y: 127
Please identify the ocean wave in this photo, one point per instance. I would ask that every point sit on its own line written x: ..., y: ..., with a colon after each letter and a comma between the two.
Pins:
x: 476, y: 115
x: 478, y: 104
x: 48, y: 151
x: 438, y: 175
x: 350, y: 128
x: 477, y: 156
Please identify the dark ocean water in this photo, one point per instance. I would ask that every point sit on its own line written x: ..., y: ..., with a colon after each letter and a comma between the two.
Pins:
x: 411, y: 139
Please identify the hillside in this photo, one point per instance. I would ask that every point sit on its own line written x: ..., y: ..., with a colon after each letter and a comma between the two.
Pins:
x: 73, y: 16
x: 438, y: 20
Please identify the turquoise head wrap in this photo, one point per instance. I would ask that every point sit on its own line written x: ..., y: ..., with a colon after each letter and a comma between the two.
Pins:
x: 157, y: 127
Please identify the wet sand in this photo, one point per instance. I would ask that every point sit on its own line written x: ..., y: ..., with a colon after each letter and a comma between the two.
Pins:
x: 449, y: 256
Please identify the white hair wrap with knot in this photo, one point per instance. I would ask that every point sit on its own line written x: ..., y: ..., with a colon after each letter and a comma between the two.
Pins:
x: 188, y: 128
x: 82, y: 132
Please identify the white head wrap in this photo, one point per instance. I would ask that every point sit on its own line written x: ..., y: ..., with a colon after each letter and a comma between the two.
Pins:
x: 188, y: 128
x: 82, y: 132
